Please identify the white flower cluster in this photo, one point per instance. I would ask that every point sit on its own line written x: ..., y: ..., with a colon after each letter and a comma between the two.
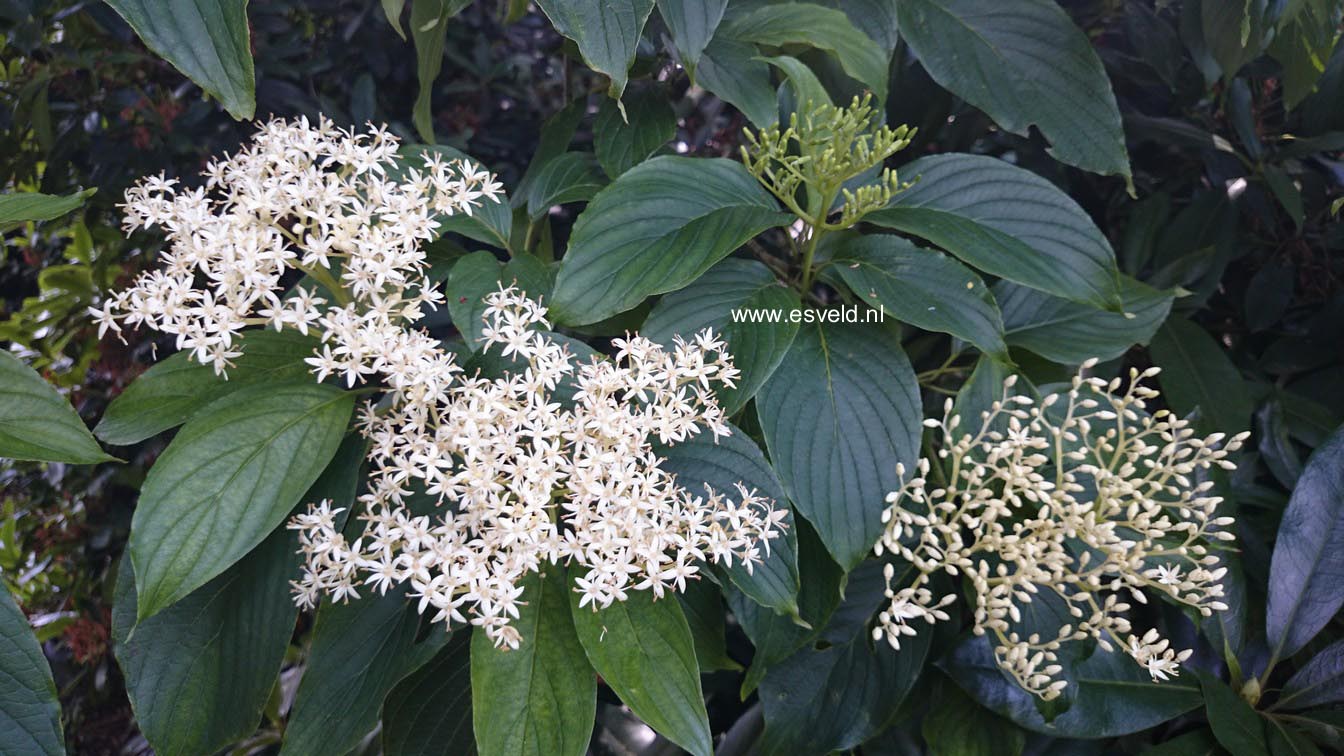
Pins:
x: 1084, y: 499
x: 320, y: 200
x: 526, y: 482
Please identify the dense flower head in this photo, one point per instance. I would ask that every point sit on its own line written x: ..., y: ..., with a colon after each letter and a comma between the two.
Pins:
x: 522, y: 479
x: 1084, y: 499
x: 475, y: 480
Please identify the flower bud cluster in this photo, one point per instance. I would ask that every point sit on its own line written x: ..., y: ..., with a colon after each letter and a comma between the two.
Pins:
x: 1083, y: 499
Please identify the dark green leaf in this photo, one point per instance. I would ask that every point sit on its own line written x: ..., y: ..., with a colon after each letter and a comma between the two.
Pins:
x: 1268, y: 295
x: 643, y: 650
x: 200, y: 672
x: 1024, y: 63
x: 658, y: 227
x: 784, y: 24
x: 479, y: 274
x: 734, y: 285
x: 1308, y: 556
x: 429, y: 30
x: 232, y: 474
x: 606, y: 31
x: 623, y: 140
x: 1009, y: 222
x: 540, y: 698
x: 1195, y: 743
x: 21, y: 207
x: 700, y: 462
x: 172, y: 390
x: 692, y: 23
x: 37, y: 423
x: 30, y: 714
x: 702, y: 605
x: 569, y: 177
x: 360, y: 651
x: 1235, y: 724
x: 1233, y: 31
x: 207, y: 40
x: 807, y: 88
x: 838, y: 415
x: 429, y: 713
x: 1196, y: 373
x: 1284, y: 740
x: 731, y: 70
x: 1319, y: 681
x: 947, y: 731
x: 1112, y: 694
x: 393, y: 9
x: 922, y: 287
x: 1069, y: 332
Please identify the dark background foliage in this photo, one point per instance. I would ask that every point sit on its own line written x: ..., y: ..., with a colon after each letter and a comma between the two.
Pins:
x: 1234, y: 174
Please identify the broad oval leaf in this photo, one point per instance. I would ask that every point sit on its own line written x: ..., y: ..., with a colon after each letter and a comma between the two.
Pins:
x: 624, y: 140
x: 1024, y: 63
x: 1112, y: 695
x: 700, y: 462
x: 429, y: 712
x: 1235, y: 724
x: 568, y: 177
x: 643, y: 649
x: 199, y: 673
x: 168, y: 393
x: 232, y: 474
x: 817, y: 26
x: 692, y: 23
x: 1009, y: 222
x: 922, y: 287
x: 838, y: 415
x: 757, y: 337
x: 540, y: 698
x: 1071, y: 333
x: 475, y: 276
x: 606, y: 31
x: 655, y: 229
x: 20, y: 207
x: 1308, y: 561
x: 207, y: 40
x: 732, y: 70
x: 37, y: 423
x: 1197, y: 374
x: 1320, y: 681
x: 360, y: 651
x: 30, y: 714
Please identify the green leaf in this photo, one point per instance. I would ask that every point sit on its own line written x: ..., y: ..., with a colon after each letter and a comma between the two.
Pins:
x: 1233, y: 31
x: 1195, y: 743
x: 207, y: 40
x: 569, y: 177
x: 658, y: 227
x: 643, y: 650
x: 702, y: 605
x: 393, y: 9
x: 807, y: 88
x: 490, y: 222
x: 946, y: 730
x: 540, y: 698
x: 922, y: 287
x: 30, y: 719
x: 172, y: 390
x: 838, y: 415
x: 37, y: 423
x: 817, y: 702
x: 360, y: 651
x: 606, y: 31
x: 1308, y: 554
x: 429, y: 713
x: 1287, y: 741
x: 21, y: 207
x: 1024, y: 63
x: 1235, y: 724
x: 232, y: 474
x: 757, y: 347
x: 700, y: 462
x: 692, y: 23
x: 429, y: 31
x: 624, y: 140
x: 1319, y: 681
x: 816, y: 26
x: 1008, y: 222
x: 1070, y: 333
x: 199, y: 673
x: 478, y: 274
x: 1112, y: 695
x: 732, y: 70
x: 1196, y: 373
x: 556, y: 134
